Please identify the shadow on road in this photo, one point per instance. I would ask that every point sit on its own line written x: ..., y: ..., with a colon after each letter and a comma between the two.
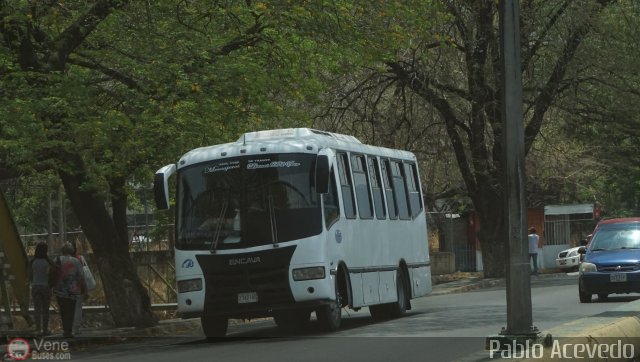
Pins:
x: 268, y: 331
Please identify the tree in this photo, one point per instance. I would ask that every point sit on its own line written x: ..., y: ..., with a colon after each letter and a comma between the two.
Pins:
x: 38, y: 42
x: 449, y: 81
x: 105, y: 92
x: 602, y: 110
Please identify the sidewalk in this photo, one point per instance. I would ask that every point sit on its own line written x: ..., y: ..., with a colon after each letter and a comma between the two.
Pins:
x: 175, y: 327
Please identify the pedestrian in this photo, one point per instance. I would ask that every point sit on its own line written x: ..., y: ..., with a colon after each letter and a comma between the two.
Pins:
x: 533, y: 249
x: 69, y: 287
x: 39, y: 268
x: 77, y: 316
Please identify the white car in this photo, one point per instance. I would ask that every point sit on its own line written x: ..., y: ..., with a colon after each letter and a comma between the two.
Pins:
x: 569, y: 258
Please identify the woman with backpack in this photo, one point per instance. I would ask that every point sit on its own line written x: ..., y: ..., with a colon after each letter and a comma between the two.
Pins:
x: 69, y: 287
x: 39, y: 269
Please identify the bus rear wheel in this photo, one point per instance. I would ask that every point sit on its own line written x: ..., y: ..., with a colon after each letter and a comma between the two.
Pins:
x: 214, y: 327
x: 395, y: 309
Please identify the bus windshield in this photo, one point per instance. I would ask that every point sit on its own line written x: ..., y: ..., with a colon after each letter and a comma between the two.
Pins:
x: 247, y: 201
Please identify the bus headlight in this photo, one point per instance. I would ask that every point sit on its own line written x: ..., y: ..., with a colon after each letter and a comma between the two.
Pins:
x: 189, y: 285
x: 587, y: 267
x: 316, y: 272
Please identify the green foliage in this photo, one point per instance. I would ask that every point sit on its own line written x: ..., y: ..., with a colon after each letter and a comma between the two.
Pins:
x: 603, y: 108
x: 152, y: 82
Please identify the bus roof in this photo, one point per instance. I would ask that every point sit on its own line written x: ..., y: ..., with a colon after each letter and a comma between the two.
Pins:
x: 288, y: 140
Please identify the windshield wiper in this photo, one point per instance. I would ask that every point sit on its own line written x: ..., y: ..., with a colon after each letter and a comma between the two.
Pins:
x: 272, y: 220
x: 216, y: 236
x: 598, y: 249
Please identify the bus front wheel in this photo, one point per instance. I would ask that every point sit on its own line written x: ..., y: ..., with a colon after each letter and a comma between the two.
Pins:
x: 330, y: 316
x: 214, y: 327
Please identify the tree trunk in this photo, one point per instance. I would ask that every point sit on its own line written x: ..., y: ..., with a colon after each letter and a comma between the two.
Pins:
x: 493, y: 246
x: 488, y: 202
x: 128, y: 300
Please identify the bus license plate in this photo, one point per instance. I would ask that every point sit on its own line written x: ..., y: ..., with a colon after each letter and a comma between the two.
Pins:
x: 618, y: 277
x: 250, y: 297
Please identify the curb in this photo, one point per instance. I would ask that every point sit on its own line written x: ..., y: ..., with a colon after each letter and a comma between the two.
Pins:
x: 465, y: 285
x: 454, y: 287
x: 606, y: 336
x: 604, y: 329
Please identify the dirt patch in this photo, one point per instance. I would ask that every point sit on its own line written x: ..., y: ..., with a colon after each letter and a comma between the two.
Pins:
x: 445, y: 278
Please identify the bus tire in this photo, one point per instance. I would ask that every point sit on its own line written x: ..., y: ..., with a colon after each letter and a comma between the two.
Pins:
x: 395, y: 309
x: 398, y: 308
x: 330, y: 316
x: 292, y: 321
x: 214, y: 327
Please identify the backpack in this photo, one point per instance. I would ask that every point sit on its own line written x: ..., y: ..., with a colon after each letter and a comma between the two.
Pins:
x: 54, y: 272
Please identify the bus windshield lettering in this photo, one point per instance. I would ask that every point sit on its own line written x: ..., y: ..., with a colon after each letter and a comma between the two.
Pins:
x: 247, y: 201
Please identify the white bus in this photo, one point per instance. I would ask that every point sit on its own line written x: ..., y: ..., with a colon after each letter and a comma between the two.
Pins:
x: 286, y: 222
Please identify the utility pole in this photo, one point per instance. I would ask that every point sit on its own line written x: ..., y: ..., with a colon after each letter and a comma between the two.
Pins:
x: 519, y: 327
x: 50, y: 223
x: 61, y: 217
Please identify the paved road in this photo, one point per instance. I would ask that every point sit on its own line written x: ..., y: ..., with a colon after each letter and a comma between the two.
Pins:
x: 439, y: 328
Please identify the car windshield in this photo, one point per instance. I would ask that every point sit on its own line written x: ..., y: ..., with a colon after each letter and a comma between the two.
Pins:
x: 247, y: 201
x: 617, y: 236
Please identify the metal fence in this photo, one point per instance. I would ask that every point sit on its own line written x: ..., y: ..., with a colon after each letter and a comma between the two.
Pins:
x: 151, y: 248
x: 566, y: 229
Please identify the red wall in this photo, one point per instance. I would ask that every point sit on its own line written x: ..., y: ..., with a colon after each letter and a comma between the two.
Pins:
x: 535, y: 218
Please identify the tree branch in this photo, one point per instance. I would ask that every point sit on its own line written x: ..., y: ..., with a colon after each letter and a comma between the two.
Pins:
x: 443, y: 107
x: 72, y: 37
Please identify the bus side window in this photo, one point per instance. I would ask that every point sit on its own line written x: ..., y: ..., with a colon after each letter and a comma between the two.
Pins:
x: 388, y: 189
x: 345, y: 186
x: 376, y: 188
x: 331, y: 204
x: 415, y: 200
x: 397, y: 172
x: 361, y: 182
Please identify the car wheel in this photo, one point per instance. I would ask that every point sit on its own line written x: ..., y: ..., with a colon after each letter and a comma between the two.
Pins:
x: 584, y: 297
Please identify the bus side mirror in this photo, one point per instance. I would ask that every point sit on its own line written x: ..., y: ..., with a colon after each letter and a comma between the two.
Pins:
x: 322, y: 174
x: 161, y: 186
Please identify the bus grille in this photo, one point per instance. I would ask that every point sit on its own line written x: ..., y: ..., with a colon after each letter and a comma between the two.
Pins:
x: 271, y: 284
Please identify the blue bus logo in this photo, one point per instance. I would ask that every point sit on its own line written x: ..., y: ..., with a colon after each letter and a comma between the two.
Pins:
x: 187, y: 264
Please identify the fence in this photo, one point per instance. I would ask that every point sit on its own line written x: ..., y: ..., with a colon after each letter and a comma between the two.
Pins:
x: 151, y: 251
